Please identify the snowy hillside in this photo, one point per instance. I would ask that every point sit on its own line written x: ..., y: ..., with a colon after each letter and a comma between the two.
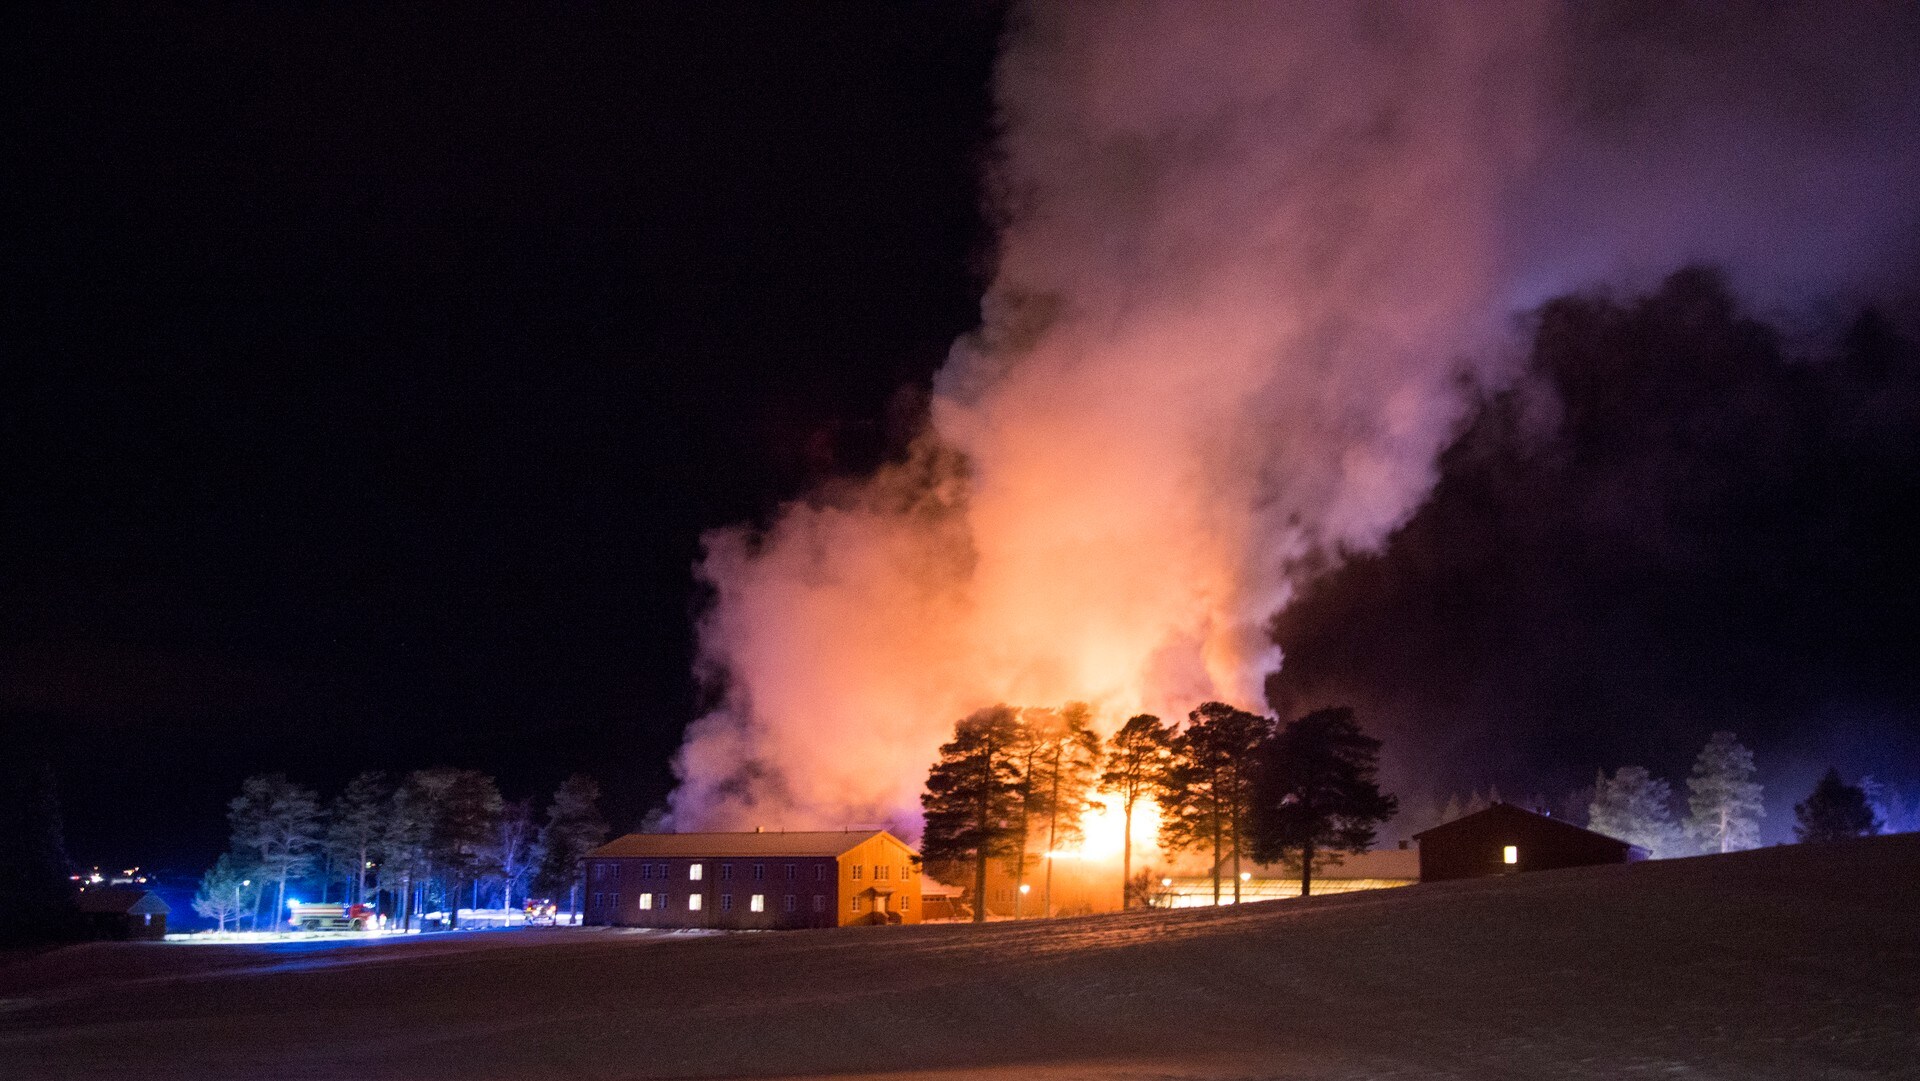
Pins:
x: 1787, y: 963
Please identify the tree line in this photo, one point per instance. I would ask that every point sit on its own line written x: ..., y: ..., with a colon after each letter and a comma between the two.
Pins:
x: 1722, y: 806
x: 404, y: 846
x: 1230, y: 783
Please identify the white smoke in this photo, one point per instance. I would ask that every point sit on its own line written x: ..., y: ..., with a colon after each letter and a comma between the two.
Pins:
x: 1250, y: 254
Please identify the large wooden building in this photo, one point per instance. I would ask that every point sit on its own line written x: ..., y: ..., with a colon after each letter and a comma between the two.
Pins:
x: 753, y: 881
x: 1504, y: 839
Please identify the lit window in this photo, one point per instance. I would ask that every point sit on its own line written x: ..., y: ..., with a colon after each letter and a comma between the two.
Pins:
x: 726, y: 902
x: 857, y: 869
x: 757, y: 903
x: 693, y: 902
x: 693, y: 872
x: 1510, y: 855
x: 646, y: 900
x: 789, y: 906
x: 856, y: 904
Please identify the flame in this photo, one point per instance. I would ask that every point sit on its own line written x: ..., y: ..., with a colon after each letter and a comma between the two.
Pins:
x: 1103, y: 829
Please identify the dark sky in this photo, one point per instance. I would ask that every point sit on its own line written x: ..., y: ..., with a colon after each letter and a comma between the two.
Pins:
x: 369, y: 376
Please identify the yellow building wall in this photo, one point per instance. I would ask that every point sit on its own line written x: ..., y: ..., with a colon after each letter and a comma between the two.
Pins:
x: 880, y: 855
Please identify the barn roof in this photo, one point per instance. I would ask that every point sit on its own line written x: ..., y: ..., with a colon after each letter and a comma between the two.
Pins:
x: 121, y: 900
x: 810, y: 843
x: 1508, y: 812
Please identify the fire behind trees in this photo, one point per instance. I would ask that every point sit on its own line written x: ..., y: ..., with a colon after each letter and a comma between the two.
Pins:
x: 1229, y: 784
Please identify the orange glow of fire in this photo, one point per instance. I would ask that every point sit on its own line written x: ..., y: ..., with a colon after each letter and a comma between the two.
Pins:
x: 1104, y: 828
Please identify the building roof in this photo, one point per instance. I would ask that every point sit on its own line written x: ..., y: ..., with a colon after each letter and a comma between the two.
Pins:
x: 121, y: 900
x: 757, y: 843
x: 1508, y: 812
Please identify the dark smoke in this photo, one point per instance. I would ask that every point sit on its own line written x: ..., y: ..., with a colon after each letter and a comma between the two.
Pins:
x: 1670, y: 526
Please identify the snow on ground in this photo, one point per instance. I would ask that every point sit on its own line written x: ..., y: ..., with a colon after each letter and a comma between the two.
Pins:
x: 1786, y: 963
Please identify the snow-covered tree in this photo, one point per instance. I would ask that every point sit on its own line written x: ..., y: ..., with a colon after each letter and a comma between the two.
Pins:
x: 1834, y: 811
x: 1636, y: 807
x: 276, y: 823
x: 225, y: 892
x: 1895, y: 814
x: 515, y: 851
x: 1723, y: 799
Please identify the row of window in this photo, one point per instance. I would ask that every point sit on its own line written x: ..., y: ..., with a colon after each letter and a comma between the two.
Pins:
x: 697, y: 872
x: 882, y: 872
x: 755, y: 903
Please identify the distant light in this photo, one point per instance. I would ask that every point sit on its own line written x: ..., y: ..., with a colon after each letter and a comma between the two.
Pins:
x: 291, y: 903
x: 1246, y: 876
x: 1026, y: 887
x: 1510, y: 854
x: 1166, y: 882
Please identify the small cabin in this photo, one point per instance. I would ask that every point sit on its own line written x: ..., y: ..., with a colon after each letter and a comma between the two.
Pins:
x: 753, y: 881
x: 121, y: 913
x: 1504, y: 839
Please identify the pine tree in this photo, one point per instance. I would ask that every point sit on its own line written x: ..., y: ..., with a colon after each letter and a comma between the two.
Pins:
x: 974, y: 802
x: 1723, y: 799
x: 354, y: 825
x: 1209, y: 791
x: 574, y: 828
x: 404, y: 865
x: 1059, y: 790
x: 1834, y: 811
x: 1136, y: 769
x: 1315, y: 792
x: 277, y: 824
x: 1635, y: 807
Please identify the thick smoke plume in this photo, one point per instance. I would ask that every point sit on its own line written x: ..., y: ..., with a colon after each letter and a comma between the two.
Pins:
x: 1252, y: 257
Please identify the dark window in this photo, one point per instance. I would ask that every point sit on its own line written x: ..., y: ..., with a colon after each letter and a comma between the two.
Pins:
x: 759, y: 871
x: 726, y: 872
x: 819, y: 872
x: 789, y: 903
x: 599, y: 901
x: 613, y: 902
x: 789, y: 872
x: 819, y: 903
x: 726, y: 902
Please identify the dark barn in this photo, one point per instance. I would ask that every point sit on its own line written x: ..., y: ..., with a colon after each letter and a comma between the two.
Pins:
x: 753, y: 881
x: 1503, y: 839
x: 123, y: 912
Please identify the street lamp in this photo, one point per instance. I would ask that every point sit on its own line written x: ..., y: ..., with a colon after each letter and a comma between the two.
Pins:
x: 236, y: 902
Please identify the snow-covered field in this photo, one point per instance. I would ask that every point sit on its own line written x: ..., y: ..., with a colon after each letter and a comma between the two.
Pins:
x: 1787, y: 963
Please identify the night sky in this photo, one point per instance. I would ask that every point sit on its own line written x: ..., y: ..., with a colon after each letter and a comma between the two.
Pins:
x: 370, y: 375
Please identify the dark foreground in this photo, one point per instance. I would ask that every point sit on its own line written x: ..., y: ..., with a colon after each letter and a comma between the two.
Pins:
x: 1789, y: 963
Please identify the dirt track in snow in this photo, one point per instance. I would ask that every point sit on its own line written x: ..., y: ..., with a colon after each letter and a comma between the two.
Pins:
x: 1789, y: 963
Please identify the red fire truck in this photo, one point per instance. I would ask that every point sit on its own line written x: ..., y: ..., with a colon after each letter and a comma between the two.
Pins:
x: 309, y: 917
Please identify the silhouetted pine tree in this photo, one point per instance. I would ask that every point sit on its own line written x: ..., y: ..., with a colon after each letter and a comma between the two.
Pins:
x: 1315, y: 792
x: 1209, y: 790
x: 1834, y: 811
x: 975, y: 798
